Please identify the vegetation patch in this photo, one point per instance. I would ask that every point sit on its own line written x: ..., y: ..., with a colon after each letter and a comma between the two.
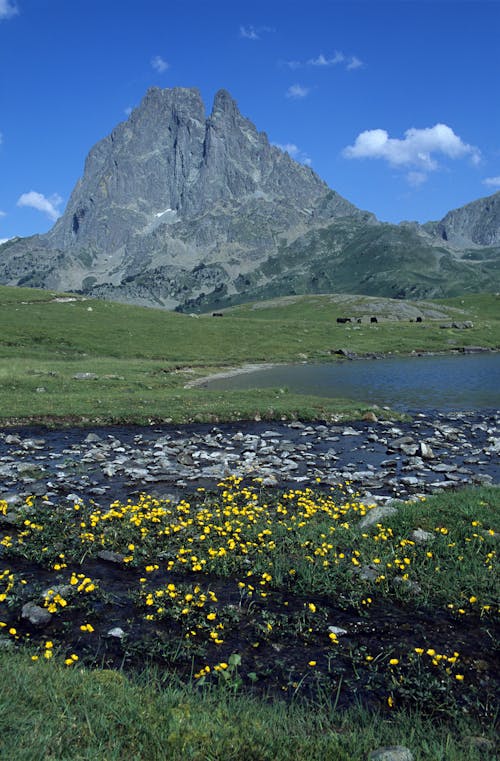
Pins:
x: 284, y: 594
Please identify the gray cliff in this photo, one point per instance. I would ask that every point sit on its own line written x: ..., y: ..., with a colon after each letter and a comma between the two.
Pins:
x: 476, y: 224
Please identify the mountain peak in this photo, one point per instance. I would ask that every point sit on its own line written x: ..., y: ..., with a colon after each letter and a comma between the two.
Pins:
x: 224, y: 101
x: 475, y: 224
x: 162, y: 101
x: 178, y: 209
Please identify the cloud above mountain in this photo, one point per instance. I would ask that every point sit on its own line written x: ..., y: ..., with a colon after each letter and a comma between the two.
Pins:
x: 159, y: 64
x: 417, y: 149
x: 492, y: 182
x: 48, y: 206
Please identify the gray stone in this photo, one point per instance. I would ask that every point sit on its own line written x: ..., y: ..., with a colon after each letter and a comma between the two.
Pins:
x: 426, y: 451
x: 422, y: 537
x: 92, y: 438
x: 350, y: 432
x: 440, y: 485
x: 482, y: 478
x: 401, y: 441
x: 74, y: 498
x: 391, y: 753
x: 116, y: 632
x: 185, y: 458
x: 376, y: 515
x: 33, y: 443
x: 110, y: 556
x: 36, y: 615
x: 443, y: 467
x: 85, y: 376
x: 366, y: 572
x: 337, y: 630
x: 12, y: 439
x: 410, y: 481
x: 409, y: 449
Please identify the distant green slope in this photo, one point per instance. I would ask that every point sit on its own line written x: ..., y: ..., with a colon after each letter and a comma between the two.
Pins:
x: 351, y: 256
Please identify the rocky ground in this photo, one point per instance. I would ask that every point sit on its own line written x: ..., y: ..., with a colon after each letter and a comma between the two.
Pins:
x: 381, y: 459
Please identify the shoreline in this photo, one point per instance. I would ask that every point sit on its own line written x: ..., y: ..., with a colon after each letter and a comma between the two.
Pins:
x: 345, y: 409
x: 232, y: 371
x: 336, y: 356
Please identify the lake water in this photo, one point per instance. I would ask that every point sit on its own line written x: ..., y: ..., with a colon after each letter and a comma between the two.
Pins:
x: 453, y: 382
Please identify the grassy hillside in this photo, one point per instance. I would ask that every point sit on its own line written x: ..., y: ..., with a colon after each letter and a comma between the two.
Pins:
x: 143, y: 357
x: 352, y: 257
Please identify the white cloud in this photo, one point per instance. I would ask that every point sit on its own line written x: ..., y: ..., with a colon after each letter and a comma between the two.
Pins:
x: 48, y: 206
x: 354, y: 63
x: 251, y: 32
x: 492, y: 182
x: 321, y: 60
x: 127, y: 111
x: 297, y: 91
x: 3, y: 240
x: 159, y: 64
x: 7, y: 9
x: 3, y: 213
x: 417, y: 149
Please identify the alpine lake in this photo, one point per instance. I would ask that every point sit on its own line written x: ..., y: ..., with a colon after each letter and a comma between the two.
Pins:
x: 446, y: 382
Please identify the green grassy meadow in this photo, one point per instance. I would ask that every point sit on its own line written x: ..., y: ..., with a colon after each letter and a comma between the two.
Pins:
x: 144, y: 357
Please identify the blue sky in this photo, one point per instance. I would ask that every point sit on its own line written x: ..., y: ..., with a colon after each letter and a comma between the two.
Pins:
x: 394, y: 104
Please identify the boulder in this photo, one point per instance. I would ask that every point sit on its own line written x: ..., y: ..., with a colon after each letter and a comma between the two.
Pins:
x: 36, y: 615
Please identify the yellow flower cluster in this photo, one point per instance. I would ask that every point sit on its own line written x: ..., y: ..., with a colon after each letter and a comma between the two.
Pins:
x: 186, y: 604
x: 438, y: 659
x: 202, y: 536
x: 82, y: 583
x: 202, y: 672
x: 53, y: 601
x: 7, y: 577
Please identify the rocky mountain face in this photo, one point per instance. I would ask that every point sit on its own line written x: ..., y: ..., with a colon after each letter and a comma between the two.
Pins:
x: 183, y: 210
x: 476, y: 224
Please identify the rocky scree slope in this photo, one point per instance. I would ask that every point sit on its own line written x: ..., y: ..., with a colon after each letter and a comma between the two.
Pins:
x: 181, y: 210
